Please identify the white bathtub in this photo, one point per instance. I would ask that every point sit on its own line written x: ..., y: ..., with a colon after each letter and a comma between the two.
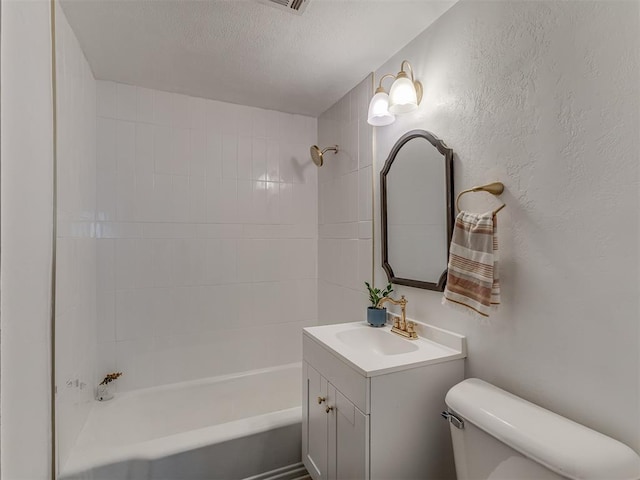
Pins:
x: 229, y: 427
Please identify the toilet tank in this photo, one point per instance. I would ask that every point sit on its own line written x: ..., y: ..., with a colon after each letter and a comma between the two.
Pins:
x: 503, y: 437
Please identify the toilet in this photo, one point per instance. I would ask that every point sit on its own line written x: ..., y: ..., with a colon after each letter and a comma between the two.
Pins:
x: 498, y: 436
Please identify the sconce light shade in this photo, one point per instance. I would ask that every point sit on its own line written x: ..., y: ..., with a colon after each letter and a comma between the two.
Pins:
x: 402, y: 96
x: 379, y: 115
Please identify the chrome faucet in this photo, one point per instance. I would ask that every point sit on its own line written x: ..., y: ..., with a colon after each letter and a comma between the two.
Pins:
x: 400, y: 325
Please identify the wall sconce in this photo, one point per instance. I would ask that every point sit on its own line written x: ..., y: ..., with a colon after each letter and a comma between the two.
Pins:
x: 404, y: 96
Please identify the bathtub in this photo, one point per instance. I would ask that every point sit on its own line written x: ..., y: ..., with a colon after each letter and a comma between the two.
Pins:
x: 229, y: 427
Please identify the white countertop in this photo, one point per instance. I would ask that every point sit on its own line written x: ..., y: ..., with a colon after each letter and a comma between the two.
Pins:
x: 376, y: 351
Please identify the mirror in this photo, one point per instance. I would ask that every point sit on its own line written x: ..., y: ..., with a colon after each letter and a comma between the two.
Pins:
x: 416, y: 186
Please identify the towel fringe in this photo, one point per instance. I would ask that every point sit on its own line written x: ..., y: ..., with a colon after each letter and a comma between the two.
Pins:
x: 471, y: 312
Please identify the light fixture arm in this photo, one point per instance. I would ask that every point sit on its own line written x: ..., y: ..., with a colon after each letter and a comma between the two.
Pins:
x: 410, y: 68
x: 380, y: 89
x: 416, y: 83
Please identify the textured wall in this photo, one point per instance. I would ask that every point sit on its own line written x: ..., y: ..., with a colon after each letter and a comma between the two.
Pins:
x: 543, y: 96
x: 345, y: 211
x: 27, y: 218
x: 76, y: 318
x: 207, y: 235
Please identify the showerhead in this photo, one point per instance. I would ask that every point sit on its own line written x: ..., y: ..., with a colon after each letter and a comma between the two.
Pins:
x: 316, y: 153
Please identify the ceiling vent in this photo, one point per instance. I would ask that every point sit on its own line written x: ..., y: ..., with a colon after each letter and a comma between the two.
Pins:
x: 293, y: 6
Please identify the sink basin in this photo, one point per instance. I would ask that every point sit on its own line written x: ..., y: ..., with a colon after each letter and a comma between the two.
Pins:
x: 380, y: 342
x: 376, y: 351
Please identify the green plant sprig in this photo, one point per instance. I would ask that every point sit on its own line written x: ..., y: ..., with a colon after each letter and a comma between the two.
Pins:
x: 375, y: 294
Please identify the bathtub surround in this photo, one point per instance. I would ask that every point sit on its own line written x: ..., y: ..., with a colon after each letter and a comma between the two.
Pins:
x: 187, y: 237
x: 76, y: 270
x: 345, y: 209
x: 530, y: 94
x: 207, y: 236
x: 26, y: 227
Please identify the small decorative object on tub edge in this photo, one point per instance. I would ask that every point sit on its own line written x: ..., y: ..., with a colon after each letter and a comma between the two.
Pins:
x: 104, y: 391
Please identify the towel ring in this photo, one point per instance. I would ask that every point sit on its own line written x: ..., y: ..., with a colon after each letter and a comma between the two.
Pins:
x: 495, y: 188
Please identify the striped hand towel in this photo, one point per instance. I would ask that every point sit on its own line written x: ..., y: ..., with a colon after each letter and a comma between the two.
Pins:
x: 472, y: 278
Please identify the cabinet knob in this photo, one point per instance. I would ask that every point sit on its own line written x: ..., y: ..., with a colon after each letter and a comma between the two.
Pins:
x: 328, y: 409
x: 321, y: 399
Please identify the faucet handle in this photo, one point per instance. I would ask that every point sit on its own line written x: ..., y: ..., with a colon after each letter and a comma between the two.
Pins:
x: 411, y: 330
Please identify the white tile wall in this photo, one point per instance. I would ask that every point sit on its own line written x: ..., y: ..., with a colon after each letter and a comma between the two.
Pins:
x: 76, y: 302
x: 345, y: 209
x: 207, y: 235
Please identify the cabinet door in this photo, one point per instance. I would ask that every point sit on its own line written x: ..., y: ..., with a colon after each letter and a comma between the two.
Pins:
x: 348, y: 439
x: 315, y: 427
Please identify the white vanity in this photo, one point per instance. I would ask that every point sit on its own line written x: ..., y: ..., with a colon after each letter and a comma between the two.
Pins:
x: 372, y: 402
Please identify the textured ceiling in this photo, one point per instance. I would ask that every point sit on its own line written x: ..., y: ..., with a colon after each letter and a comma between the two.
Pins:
x: 243, y: 51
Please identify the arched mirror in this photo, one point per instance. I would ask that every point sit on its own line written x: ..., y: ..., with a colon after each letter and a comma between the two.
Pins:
x: 416, y: 186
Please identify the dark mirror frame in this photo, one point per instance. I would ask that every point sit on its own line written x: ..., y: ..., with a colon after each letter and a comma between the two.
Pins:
x: 448, y: 162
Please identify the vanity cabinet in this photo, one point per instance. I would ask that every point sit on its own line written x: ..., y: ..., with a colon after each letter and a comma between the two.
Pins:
x: 336, y: 431
x: 374, y: 425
